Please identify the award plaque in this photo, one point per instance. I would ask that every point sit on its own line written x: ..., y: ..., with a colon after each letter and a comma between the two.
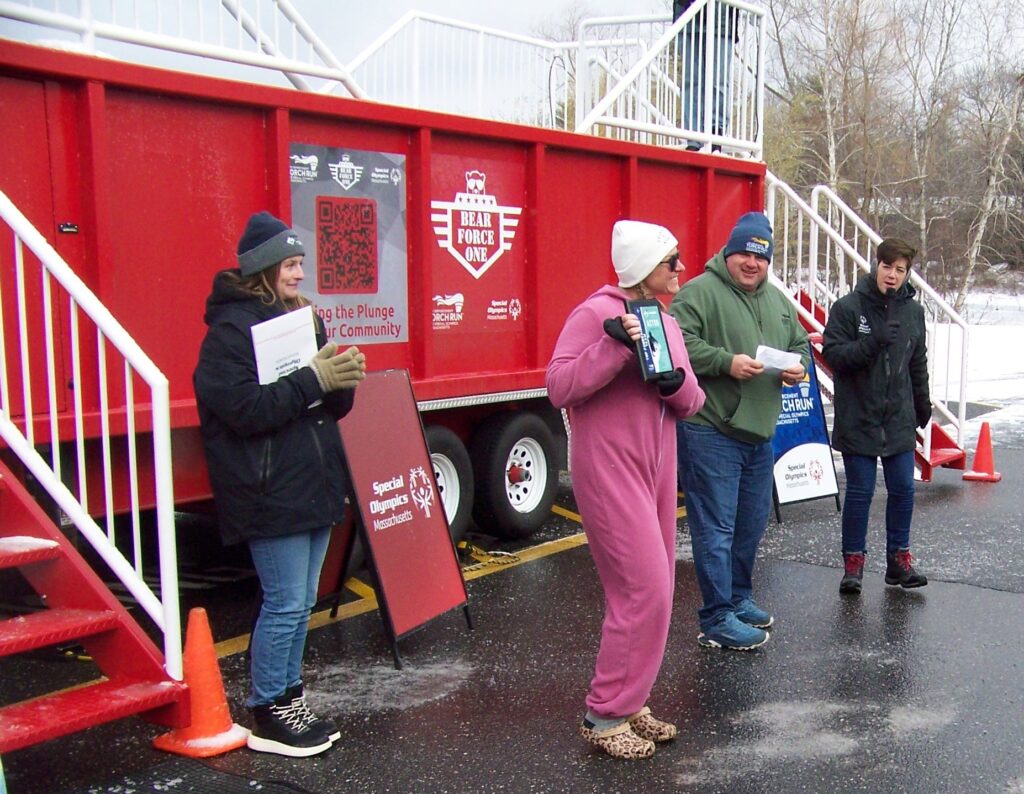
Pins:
x: 652, y: 346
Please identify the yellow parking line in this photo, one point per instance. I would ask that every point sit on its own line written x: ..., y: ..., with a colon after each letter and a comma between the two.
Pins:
x: 558, y: 510
x: 368, y: 598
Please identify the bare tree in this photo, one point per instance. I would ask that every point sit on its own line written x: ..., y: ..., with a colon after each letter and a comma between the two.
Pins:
x: 927, y: 68
x: 993, y: 110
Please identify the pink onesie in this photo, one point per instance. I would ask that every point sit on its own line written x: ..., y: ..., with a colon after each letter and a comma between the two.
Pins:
x: 623, y: 460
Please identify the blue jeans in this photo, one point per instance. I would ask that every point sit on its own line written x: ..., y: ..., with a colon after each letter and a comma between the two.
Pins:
x: 289, y: 572
x: 728, y: 487
x: 861, y: 473
x: 692, y: 50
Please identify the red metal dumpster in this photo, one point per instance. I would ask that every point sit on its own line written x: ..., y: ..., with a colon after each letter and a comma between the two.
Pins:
x: 448, y: 246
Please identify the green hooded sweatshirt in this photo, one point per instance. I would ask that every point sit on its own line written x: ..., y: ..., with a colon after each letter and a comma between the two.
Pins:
x: 719, y: 320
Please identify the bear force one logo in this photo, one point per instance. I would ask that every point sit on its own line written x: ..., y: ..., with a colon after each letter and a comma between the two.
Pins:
x: 346, y: 173
x: 474, y: 228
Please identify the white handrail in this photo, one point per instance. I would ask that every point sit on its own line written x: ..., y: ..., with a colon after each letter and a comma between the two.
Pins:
x: 630, y: 71
x: 164, y: 611
x: 435, y: 62
x: 430, y: 61
x: 825, y: 292
x: 89, y: 28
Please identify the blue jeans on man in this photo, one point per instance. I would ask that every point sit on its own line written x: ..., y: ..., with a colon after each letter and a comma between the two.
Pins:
x: 861, y: 474
x: 728, y: 489
x: 289, y: 571
x: 692, y: 51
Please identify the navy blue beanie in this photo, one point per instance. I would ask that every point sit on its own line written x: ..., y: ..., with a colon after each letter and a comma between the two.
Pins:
x: 751, y: 234
x: 265, y: 242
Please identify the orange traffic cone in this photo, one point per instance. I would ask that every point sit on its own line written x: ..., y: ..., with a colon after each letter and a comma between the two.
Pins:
x: 983, y: 469
x: 211, y: 731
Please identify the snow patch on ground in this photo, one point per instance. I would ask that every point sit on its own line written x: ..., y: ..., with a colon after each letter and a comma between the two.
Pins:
x: 355, y: 689
x: 906, y: 721
x: 787, y: 732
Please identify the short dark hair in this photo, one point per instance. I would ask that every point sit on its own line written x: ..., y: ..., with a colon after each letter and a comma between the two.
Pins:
x: 893, y: 248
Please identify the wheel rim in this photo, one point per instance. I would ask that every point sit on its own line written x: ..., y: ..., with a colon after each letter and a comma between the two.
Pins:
x: 526, y: 475
x: 448, y: 485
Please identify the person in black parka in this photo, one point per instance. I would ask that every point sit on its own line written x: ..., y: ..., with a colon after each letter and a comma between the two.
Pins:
x: 276, y: 466
x: 874, y: 342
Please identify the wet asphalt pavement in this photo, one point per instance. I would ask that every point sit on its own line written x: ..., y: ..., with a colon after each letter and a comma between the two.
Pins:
x: 897, y: 691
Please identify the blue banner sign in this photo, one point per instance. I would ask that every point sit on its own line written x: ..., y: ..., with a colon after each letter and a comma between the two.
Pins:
x: 804, y: 468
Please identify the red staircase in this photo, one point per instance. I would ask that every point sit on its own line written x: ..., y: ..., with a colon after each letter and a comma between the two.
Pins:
x: 944, y: 452
x: 78, y: 607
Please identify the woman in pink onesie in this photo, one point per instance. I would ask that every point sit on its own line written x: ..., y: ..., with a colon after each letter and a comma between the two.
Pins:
x: 623, y: 459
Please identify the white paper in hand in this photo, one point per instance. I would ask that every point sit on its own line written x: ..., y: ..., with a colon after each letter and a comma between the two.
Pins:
x: 284, y: 344
x: 775, y: 361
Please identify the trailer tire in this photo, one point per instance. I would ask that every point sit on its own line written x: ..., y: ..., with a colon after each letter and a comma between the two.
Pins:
x: 453, y: 474
x: 513, y: 464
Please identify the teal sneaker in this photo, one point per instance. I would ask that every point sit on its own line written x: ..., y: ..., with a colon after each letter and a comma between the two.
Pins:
x: 733, y: 634
x: 751, y: 614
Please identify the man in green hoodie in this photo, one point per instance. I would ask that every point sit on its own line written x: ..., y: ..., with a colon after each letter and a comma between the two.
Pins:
x: 725, y: 450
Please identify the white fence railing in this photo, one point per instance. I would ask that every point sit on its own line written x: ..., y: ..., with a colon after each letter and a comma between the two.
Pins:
x: 427, y: 61
x: 694, y: 82
x: 69, y: 370
x: 822, y: 249
x: 268, y: 34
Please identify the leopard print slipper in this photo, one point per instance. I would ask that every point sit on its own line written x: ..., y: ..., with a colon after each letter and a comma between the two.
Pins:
x: 647, y: 726
x: 619, y: 742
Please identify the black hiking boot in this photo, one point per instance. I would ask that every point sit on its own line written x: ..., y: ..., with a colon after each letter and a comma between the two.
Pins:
x: 853, y: 563
x: 298, y: 699
x: 282, y: 728
x: 899, y: 570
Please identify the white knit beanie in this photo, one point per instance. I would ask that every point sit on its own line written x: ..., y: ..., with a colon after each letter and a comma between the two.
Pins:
x: 637, y: 248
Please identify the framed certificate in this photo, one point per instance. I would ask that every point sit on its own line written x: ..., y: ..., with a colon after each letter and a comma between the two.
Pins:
x: 652, y: 347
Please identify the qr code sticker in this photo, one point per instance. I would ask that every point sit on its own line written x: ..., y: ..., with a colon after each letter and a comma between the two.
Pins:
x: 346, y: 244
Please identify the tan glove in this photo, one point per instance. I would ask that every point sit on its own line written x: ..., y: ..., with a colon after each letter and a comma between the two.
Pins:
x: 342, y: 371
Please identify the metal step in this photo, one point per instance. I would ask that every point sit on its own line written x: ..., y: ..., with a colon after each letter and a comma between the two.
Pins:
x: 41, y: 719
x: 21, y: 550
x: 52, y: 626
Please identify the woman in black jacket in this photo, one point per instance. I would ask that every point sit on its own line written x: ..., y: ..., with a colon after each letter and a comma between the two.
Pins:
x: 875, y: 344
x: 275, y: 460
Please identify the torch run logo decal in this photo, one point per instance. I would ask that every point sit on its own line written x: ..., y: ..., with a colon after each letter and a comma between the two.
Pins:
x: 474, y: 228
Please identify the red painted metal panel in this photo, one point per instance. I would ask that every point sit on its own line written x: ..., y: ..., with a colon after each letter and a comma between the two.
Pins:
x: 478, y: 260
x: 183, y: 177
x: 25, y: 176
x: 581, y: 194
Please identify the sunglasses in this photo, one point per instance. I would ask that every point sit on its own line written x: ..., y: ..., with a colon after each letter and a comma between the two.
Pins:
x: 672, y: 263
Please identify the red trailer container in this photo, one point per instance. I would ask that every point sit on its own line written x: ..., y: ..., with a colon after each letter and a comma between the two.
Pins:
x: 448, y: 246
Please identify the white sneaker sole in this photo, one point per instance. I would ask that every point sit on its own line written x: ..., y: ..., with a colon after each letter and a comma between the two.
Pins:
x: 706, y: 642
x: 262, y: 745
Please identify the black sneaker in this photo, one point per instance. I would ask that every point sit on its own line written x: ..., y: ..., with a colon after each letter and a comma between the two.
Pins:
x: 854, y: 572
x: 899, y: 570
x: 282, y: 728
x: 298, y: 699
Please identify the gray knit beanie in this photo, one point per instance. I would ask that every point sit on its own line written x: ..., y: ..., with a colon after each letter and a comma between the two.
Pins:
x: 265, y: 242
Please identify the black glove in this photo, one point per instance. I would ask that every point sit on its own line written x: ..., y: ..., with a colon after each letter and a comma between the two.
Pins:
x: 614, y: 328
x: 886, y: 334
x: 922, y: 413
x: 670, y: 382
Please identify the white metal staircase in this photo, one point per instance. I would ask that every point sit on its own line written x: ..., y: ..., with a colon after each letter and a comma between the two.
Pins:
x: 822, y: 247
x: 35, y: 412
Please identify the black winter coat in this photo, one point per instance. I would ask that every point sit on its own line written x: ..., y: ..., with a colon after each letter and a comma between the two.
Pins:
x: 881, y: 391
x: 276, y: 465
